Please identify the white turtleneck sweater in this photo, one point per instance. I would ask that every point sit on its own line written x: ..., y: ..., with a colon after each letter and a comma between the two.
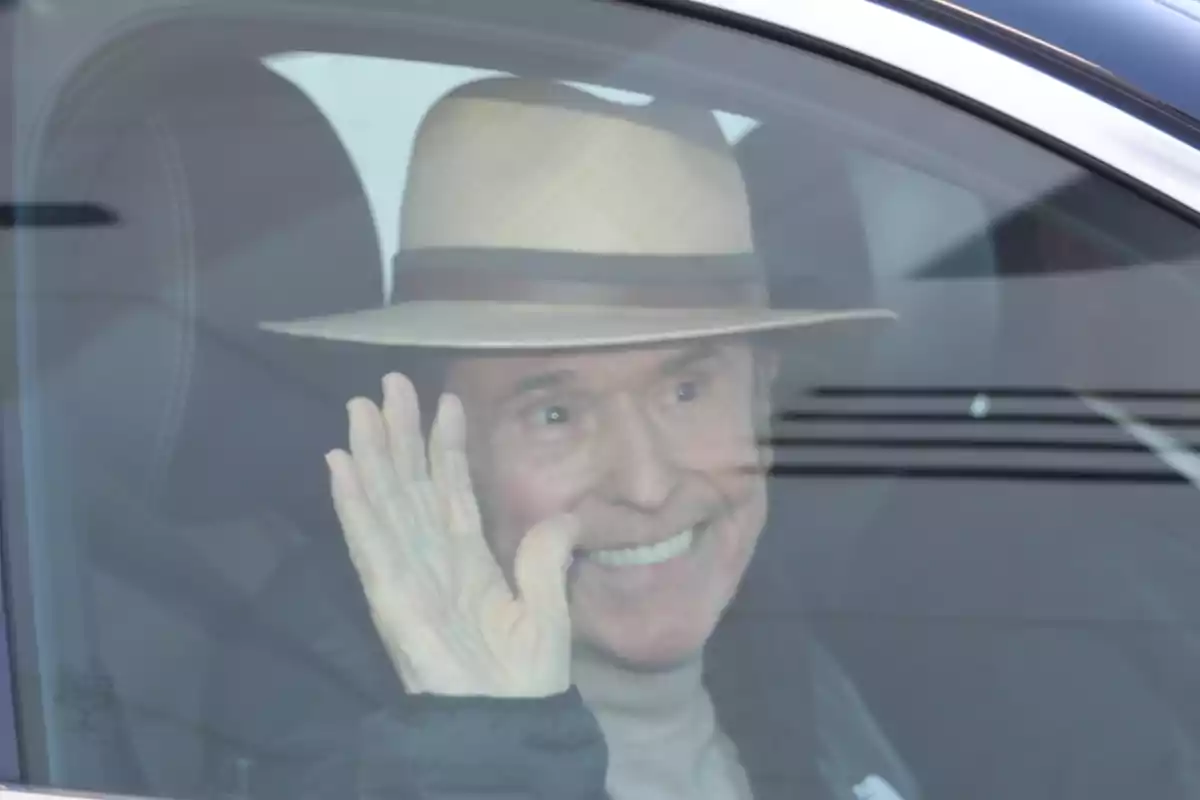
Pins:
x: 662, y: 734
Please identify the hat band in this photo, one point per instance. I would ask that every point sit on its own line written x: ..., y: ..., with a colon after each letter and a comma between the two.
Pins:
x: 543, y: 277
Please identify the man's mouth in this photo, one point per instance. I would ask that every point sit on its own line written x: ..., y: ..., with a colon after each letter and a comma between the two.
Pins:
x: 646, y: 555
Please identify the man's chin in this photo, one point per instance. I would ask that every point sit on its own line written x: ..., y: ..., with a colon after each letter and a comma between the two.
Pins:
x: 646, y: 651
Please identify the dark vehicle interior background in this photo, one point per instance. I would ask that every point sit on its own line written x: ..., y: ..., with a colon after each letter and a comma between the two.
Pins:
x: 152, y: 322
x: 993, y: 585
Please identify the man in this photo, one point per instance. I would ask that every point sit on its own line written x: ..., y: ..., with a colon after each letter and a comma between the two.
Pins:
x: 558, y: 575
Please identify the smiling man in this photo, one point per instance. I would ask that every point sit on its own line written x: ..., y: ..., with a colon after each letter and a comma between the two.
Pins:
x: 653, y: 451
x: 548, y: 561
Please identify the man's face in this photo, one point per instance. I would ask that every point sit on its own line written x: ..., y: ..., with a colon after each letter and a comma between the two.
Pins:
x: 655, y: 451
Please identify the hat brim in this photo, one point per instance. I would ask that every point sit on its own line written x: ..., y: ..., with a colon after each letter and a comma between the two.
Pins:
x: 521, y: 326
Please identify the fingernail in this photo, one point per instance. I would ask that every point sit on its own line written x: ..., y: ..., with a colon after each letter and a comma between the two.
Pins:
x: 359, y: 401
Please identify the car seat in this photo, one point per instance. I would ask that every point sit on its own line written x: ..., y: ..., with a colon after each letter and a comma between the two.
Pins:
x: 174, y: 450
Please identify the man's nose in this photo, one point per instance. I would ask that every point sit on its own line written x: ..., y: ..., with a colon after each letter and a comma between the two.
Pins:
x: 638, y: 470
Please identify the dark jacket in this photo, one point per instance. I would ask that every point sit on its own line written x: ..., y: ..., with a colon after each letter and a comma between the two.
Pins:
x: 305, y: 700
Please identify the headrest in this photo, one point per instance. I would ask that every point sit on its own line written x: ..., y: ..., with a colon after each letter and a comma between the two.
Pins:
x: 234, y: 200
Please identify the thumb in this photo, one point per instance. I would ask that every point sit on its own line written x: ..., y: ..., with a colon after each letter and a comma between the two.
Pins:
x: 541, y: 564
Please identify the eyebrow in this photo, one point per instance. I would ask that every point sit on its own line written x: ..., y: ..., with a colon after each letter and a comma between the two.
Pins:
x: 701, y: 351
x: 677, y: 363
x: 539, y: 382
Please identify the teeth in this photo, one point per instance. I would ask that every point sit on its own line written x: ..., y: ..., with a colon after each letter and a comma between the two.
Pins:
x: 677, y: 545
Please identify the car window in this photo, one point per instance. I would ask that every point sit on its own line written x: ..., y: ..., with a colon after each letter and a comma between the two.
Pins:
x: 813, y: 436
x: 1188, y: 7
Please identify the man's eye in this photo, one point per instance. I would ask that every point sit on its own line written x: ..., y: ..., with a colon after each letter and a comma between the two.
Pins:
x: 554, y: 415
x: 687, y: 391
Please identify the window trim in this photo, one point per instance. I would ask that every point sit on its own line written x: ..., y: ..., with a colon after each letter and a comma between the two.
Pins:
x: 1089, y: 129
x: 10, y: 741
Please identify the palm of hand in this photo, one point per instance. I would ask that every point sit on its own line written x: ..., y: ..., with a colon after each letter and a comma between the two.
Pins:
x: 440, y: 603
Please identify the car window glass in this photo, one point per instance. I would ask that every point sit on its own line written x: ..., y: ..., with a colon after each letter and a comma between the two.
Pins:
x: 939, y: 547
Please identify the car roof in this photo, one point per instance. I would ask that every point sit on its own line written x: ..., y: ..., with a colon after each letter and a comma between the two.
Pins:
x: 1149, y: 48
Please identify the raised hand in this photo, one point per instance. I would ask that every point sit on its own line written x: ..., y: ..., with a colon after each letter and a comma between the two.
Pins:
x: 447, y: 616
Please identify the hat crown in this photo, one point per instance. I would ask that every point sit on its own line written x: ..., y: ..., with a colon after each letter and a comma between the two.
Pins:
x: 537, y: 215
x: 519, y: 164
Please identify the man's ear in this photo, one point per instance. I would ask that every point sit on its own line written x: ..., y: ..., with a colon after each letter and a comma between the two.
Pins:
x: 766, y: 366
x: 766, y: 371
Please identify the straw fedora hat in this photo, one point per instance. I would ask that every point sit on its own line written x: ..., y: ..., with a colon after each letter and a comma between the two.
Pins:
x: 539, y: 216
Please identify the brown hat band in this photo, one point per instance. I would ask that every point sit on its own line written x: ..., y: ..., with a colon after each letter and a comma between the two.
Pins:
x: 557, y: 278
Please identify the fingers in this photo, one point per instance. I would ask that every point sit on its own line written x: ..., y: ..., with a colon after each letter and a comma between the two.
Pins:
x: 449, y: 468
x: 370, y: 451
x: 354, y: 512
x: 541, y: 564
x: 402, y: 418
x: 447, y: 443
